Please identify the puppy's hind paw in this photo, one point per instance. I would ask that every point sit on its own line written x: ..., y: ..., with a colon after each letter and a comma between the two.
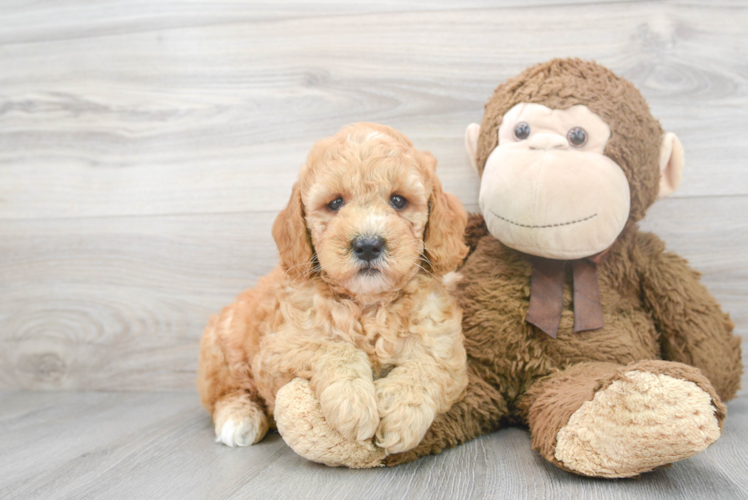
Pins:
x: 239, y: 422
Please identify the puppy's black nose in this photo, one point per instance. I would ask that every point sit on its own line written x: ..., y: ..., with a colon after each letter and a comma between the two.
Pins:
x: 368, y: 248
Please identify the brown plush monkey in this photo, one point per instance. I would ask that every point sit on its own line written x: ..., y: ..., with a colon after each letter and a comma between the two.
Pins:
x: 576, y: 323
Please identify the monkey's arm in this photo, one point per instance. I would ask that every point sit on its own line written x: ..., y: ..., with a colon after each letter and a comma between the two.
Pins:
x: 693, y: 328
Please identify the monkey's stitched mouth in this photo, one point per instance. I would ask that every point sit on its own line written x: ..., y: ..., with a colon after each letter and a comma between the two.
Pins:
x: 544, y: 226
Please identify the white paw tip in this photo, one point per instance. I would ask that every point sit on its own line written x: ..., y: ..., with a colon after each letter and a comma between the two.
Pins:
x: 232, y: 433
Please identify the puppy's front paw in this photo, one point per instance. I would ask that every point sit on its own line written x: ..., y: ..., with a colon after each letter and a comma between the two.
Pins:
x: 350, y: 406
x: 304, y: 428
x: 406, y: 413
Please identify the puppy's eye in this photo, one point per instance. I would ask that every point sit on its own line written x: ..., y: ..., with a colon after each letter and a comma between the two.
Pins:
x: 522, y: 131
x: 398, y: 202
x: 335, y: 204
x: 577, y: 137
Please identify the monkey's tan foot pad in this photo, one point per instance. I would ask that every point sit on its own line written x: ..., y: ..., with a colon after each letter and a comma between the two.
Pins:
x: 637, y: 424
x: 303, y: 427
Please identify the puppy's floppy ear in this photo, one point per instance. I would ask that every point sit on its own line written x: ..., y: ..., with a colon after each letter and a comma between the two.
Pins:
x: 291, y: 237
x: 445, y: 230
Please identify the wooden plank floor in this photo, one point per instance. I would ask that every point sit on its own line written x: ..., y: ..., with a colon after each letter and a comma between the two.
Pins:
x: 150, y: 445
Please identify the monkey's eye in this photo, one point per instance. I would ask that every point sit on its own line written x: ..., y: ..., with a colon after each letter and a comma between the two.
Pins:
x: 335, y: 204
x: 398, y: 202
x: 577, y: 137
x: 522, y: 131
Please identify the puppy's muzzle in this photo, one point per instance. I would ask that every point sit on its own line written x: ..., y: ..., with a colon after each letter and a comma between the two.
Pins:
x: 368, y: 248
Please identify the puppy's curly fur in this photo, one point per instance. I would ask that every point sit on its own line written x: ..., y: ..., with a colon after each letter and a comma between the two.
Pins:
x: 379, y: 339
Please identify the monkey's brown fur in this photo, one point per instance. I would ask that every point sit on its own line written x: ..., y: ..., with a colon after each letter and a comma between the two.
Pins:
x: 654, y: 306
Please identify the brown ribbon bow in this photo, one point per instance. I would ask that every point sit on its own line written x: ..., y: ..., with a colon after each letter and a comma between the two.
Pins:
x: 547, y: 289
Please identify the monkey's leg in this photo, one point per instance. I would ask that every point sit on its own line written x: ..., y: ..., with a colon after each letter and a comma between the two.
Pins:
x: 479, y: 412
x: 607, y: 420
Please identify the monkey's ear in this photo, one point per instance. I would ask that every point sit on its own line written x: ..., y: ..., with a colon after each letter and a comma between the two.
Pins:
x: 471, y: 143
x: 671, y: 164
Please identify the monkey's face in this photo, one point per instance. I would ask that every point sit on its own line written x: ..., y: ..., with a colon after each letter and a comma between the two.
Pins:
x: 547, y: 188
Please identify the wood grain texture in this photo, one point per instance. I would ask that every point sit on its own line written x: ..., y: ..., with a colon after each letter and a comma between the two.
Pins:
x: 150, y: 445
x: 218, y: 117
x: 145, y: 148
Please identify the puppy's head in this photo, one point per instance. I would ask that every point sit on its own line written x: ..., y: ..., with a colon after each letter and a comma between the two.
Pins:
x: 368, y: 213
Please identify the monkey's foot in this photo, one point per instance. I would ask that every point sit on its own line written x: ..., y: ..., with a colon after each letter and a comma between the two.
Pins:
x: 303, y: 427
x: 637, y: 424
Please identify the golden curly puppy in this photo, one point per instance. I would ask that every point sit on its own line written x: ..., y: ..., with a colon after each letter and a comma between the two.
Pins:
x: 358, y: 305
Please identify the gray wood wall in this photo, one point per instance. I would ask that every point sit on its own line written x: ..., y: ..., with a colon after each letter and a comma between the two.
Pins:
x: 146, y: 146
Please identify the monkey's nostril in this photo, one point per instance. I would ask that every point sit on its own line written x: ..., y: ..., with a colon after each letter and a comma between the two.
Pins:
x: 368, y: 248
